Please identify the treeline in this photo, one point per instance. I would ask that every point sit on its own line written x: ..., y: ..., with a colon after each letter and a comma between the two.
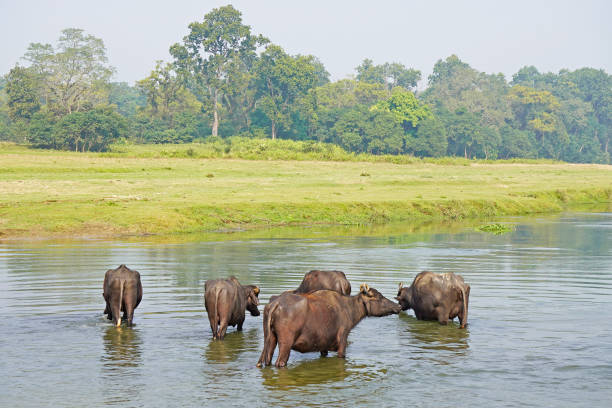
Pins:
x: 226, y: 81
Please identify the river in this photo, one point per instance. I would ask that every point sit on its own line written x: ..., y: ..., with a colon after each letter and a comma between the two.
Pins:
x: 539, y: 332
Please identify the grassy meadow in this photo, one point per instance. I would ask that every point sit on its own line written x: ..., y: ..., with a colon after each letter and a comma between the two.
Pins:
x: 172, y: 189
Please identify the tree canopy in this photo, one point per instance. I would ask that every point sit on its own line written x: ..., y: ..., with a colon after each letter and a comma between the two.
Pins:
x: 223, y: 80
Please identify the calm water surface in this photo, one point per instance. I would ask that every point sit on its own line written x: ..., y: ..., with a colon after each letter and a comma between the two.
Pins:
x: 540, y: 328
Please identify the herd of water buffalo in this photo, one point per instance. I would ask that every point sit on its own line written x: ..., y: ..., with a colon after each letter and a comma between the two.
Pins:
x: 317, y: 316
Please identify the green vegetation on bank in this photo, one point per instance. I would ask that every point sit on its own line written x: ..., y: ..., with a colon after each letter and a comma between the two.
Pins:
x: 224, y: 80
x: 143, y: 189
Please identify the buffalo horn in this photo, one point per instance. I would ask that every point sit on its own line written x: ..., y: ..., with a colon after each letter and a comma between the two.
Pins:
x: 401, y: 285
x: 256, y: 290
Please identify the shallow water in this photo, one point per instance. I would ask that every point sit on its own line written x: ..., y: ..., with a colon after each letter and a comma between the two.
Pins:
x: 539, y: 332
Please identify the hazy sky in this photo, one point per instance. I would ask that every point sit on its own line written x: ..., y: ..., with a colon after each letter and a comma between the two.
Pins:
x: 492, y: 36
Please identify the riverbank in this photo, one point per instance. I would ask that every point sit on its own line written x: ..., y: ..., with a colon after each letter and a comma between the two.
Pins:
x: 53, y: 194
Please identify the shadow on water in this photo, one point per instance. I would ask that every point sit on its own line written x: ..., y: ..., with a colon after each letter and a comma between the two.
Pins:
x: 121, y: 364
x: 310, y: 372
x: 430, y: 336
x: 230, y: 348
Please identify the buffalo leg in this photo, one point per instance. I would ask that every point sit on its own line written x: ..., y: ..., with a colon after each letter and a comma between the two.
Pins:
x: 222, y: 328
x: 323, y: 353
x: 262, y: 356
x: 239, y: 328
x: 215, y: 329
x: 269, y: 347
x: 268, y: 351
x: 214, y: 325
x: 264, y: 352
x: 116, y: 301
x: 107, y: 311
x: 128, y: 310
x: 116, y: 312
x: 284, y: 349
x: 342, y: 343
x: 213, y: 316
x: 462, y: 319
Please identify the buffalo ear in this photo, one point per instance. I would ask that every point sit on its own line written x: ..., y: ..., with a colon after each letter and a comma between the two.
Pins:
x: 364, y: 288
x: 256, y: 290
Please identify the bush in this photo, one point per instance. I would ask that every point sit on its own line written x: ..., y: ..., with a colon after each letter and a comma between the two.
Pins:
x: 92, y: 131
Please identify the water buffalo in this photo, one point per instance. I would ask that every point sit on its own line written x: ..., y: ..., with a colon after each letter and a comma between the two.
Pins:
x: 435, y: 296
x: 122, y: 291
x: 226, y: 300
x: 318, y: 321
x: 332, y: 280
x: 315, y: 280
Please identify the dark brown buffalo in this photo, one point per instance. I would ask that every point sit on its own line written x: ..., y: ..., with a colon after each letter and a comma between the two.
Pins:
x: 318, y: 321
x: 225, y: 301
x: 434, y: 296
x: 331, y: 280
x: 122, y: 291
x: 317, y: 280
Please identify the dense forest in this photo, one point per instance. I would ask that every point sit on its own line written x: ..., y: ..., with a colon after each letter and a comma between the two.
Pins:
x: 223, y: 81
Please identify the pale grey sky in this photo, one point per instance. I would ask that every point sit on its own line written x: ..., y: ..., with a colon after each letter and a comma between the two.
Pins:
x: 492, y: 36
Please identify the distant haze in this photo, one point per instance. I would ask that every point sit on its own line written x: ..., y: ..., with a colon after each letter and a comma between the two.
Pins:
x: 491, y: 36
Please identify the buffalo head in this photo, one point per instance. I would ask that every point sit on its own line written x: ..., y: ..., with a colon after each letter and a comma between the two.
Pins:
x: 376, y: 304
x: 403, y: 297
x: 252, y: 299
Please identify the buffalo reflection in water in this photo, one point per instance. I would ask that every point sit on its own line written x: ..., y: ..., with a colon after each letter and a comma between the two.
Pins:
x: 121, y: 347
x: 121, y: 364
x: 233, y: 344
x: 432, y: 339
x: 309, y: 372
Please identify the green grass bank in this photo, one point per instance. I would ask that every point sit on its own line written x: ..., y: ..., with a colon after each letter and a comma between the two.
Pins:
x: 171, y: 189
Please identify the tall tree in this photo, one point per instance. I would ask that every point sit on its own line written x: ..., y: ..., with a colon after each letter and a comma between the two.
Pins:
x: 363, y: 130
x: 430, y: 139
x: 585, y: 98
x: 322, y: 105
x: 4, y: 116
x: 321, y: 74
x: 407, y: 110
x: 389, y: 74
x: 74, y: 74
x: 538, y: 111
x: 21, y: 94
x: 595, y: 87
x: 447, y: 69
x: 347, y: 93
x: 209, y: 54
x: 281, y: 81
x: 165, y: 93
x: 455, y: 85
x: 127, y: 98
x: 463, y: 130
